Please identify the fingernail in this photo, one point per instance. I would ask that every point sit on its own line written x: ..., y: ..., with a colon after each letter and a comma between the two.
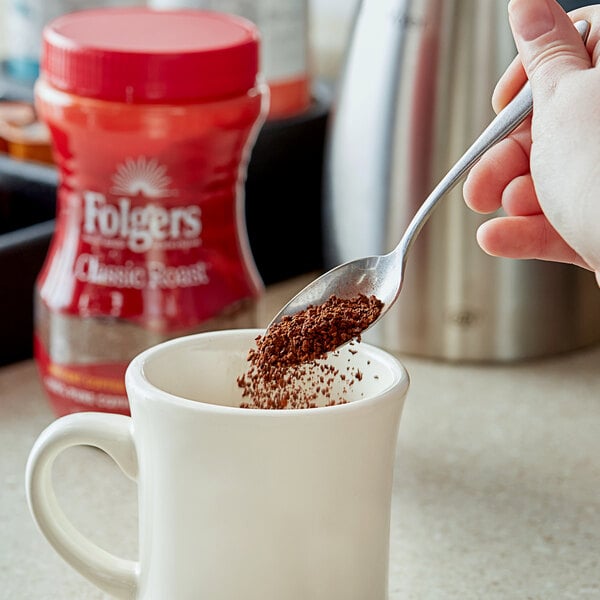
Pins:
x: 530, y: 18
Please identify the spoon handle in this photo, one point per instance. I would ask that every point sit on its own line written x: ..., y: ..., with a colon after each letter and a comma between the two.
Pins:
x: 508, y: 119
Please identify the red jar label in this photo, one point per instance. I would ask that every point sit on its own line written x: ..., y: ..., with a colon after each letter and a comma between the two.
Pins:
x: 149, y: 251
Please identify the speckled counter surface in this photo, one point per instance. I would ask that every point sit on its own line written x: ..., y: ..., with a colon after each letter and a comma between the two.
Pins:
x: 497, y: 484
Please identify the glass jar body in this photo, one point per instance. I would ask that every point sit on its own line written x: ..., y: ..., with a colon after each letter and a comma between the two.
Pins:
x: 150, y: 241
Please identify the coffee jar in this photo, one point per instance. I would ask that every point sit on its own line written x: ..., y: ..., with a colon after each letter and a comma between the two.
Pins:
x: 153, y: 116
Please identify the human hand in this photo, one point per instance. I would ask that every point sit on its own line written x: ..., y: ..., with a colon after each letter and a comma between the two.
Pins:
x: 546, y: 174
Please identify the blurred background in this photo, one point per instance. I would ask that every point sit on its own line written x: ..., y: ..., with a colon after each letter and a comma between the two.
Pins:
x: 286, y: 175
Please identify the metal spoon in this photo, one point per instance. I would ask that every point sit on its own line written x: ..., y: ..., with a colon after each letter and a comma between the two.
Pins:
x: 383, y: 276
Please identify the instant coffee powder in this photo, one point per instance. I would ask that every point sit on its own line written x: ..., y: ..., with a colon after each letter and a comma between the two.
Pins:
x: 285, y: 370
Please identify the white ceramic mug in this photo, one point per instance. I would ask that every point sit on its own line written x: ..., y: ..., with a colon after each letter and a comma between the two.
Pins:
x: 236, y: 503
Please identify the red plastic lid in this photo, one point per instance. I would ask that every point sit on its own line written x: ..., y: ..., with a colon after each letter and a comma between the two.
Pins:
x: 139, y: 55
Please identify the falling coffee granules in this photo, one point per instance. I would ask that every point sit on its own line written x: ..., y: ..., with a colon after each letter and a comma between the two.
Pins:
x: 285, y: 368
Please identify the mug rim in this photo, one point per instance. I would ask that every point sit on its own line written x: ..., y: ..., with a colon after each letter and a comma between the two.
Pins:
x: 136, y: 378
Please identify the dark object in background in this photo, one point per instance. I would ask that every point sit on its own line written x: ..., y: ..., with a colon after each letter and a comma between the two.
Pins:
x: 573, y: 4
x: 283, y: 193
x: 27, y: 208
x: 284, y: 178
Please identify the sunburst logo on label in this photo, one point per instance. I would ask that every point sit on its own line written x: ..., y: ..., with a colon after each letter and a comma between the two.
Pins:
x: 144, y: 176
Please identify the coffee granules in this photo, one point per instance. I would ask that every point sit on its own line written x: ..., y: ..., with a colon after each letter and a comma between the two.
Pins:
x: 286, y: 370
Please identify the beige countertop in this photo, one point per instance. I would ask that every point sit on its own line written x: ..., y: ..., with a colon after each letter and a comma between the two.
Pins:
x: 496, y: 496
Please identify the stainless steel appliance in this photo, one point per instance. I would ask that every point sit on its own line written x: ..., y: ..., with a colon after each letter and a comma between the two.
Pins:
x: 414, y: 93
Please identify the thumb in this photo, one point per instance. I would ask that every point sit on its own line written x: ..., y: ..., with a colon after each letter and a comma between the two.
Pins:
x: 548, y: 44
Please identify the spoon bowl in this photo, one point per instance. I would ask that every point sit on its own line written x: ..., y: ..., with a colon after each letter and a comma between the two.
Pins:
x: 382, y: 276
x: 371, y: 275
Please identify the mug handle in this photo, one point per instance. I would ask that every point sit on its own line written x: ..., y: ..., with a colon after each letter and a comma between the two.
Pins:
x: 113, y: 434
